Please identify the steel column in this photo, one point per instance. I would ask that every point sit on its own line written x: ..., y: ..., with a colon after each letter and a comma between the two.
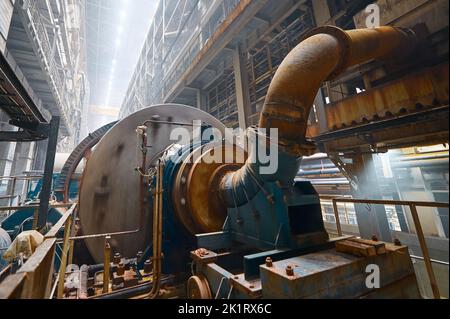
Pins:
x: 372, y: 220
x: 242, y: 87
x: 319, y: 103
x: 48, y: 172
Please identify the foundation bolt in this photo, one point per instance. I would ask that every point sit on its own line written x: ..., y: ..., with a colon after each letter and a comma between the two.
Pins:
x: 289, y: 271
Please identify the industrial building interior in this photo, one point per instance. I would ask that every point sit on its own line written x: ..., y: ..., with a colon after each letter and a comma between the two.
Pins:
x: 119, y: 178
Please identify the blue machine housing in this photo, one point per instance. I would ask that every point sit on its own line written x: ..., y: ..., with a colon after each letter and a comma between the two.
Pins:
x: 285, y: 224
x: 22, y: 220
x: 281, y: 229
x: 295, y: 213
x: 175, y: 236
x: 277, y: 222
x: 173, y: 230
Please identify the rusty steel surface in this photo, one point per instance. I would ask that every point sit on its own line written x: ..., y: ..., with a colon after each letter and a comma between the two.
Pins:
x: 324, y: 54
x: 312, y: 130
x: 427, y: 127
x: 15, y: 97
x: 290, y: 96
x: 425, y: 89
x: 109, y: 196
x: 196, y: 195
x: 251, y: 288
x: 397, y: 244
x: 198, y: 288
x: 342, y: 274
x: 387, y: 43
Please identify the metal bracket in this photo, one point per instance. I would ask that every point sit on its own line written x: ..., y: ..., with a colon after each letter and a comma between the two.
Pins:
x: 204, y: 256
x: 31, y: 131
x: 52, y: 134
x: 36, y: 127
x: 344, y: 169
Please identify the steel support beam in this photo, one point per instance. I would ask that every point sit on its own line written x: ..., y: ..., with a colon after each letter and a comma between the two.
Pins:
x: 201, y: 100
x: 319, y: 103
x: 321, y: 10
x: 372, y: 219
x: 31, y: 131
x: 48, y: 172
x: 20, y: 136
x: 242, y: 88
x: 232, y: 26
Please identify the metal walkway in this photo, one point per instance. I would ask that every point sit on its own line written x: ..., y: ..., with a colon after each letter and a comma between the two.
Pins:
x: 20, y: 105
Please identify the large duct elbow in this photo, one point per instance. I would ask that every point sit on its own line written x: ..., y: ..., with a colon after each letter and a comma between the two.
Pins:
x: 325, y: 54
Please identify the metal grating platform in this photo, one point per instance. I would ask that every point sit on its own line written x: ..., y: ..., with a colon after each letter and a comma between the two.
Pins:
x: 20, y: 105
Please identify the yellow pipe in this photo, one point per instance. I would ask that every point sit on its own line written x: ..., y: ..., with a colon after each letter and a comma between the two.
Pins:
x: 107, y: 265
x: 157, y: 234
x: 63, y: 266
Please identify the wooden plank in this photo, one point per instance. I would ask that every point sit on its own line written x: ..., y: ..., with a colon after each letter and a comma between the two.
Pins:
x: 355, y: 249
x: 12, y: 286
x: 65, y: 250
x: 5, y: 272
x: 392, y: 248
x: 57, y: 227
x: 39, y: 271
x: 380, y: 247
x: 39, y: 255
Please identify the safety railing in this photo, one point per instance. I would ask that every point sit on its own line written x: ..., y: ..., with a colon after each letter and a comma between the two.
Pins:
x: 69, y: 238
x: 10, y: 195
x: 9, y: 209
x: 416, y: 220
x: 37, y: 283
x: 33, y: 280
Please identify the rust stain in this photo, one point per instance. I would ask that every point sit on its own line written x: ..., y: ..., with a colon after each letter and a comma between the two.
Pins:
x: 313, y: 130
x: 422, y: 90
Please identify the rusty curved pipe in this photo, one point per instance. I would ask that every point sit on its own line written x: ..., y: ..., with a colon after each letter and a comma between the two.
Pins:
x: 325, y: 54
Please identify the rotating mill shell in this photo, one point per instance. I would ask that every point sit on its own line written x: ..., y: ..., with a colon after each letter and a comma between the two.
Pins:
x: 109, y: 194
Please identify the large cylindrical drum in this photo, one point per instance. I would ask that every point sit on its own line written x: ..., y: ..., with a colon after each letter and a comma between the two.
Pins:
x: 110, y: 195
